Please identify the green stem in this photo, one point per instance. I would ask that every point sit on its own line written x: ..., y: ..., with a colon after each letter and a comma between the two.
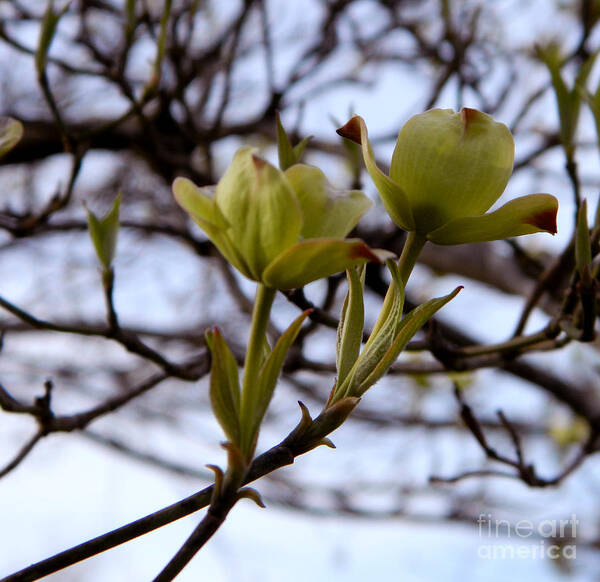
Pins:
x: 254, y: 357
x: 410, y: 253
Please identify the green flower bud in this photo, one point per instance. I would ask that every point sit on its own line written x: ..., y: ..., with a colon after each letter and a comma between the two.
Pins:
x: 451, y: 164
x: 447, y: 170
x: 283, y: 229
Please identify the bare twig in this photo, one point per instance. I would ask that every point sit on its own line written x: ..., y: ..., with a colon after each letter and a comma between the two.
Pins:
x: 525, y: 472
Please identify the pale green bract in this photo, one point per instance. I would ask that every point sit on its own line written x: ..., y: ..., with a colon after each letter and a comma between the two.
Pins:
x: 447, y: 170
x: 282, y: 229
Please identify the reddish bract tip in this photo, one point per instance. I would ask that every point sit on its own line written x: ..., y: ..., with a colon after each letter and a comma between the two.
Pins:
x: 258, y: 162
x: 351, y: 130
x: 468, y: 115
x: 545, y: 220
x: 362, y: 251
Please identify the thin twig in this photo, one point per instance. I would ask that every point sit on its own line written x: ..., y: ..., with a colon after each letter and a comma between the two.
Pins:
x: 524, y: 471
x: 23, y: 452
x: 129, y: 341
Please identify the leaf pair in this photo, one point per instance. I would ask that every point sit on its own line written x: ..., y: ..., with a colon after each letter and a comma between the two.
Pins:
x: 567, y: 100
x: 103, y: 232
x: 358, y: 372
x: 225, y: 394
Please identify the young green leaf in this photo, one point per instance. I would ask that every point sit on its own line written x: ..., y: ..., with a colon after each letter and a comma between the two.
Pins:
x: 350, y: 328
x: 299, y: 148
x: 284, y: 146
x: 410, y: 325
x: 11, y: 132
x: 47, y: 31
x: 288, y: 155
x: 161, y: 45
x: 578, y: 89
x: 594, y: 103
x: 550, y: 55
x: 270, y: 370
x: 103, y: 232
x: 381, y: 338
x: 568, y: 100
x: 395, y: 302
x: 224, y: 385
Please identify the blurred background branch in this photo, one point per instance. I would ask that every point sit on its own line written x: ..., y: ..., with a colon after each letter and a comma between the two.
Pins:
x: 129, y: 95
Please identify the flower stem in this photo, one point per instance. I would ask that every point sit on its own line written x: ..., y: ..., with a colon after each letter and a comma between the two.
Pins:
x: 252, y: 364
x: 410, y: 253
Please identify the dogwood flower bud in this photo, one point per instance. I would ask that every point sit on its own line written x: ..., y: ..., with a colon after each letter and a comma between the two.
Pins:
x: 447, y: 170
x: 283, y: 229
